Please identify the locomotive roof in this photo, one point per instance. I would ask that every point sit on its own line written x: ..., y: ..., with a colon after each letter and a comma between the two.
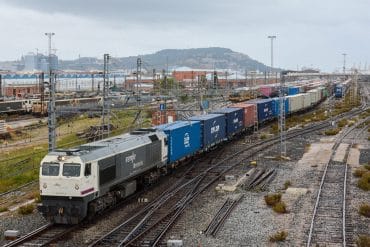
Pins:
x: 106, y: 147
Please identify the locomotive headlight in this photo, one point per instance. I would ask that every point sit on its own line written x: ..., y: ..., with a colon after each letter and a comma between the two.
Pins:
x: 77, y: 187
x: 61, y: 158
x: 44, y: 186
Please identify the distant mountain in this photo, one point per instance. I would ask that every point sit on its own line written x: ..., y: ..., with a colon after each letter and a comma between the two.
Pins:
x: 197, y: 58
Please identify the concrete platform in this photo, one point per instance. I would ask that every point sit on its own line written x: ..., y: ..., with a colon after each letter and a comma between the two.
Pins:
x: 354, y: 157
x: 340, y: 154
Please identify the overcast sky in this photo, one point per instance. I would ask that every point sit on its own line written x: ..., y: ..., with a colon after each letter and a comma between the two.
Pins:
x: 309, y: 32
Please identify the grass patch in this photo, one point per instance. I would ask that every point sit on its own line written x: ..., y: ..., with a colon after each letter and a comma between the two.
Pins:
x: 279, y: 236
x: 364, y: 210
x: 363, y: 241
x: 287, y: 184
x: 272, y: 199
x: 364, y: 182
x: 27, y: 209
x: 21, y: 165
x: 280, y: 208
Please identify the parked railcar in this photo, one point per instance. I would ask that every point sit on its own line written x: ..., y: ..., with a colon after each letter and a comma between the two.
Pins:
x: 250, y: 113
x: 293, y: 90
x: 213, y: 129
x: 264, y: 109
x: 89, y: 179
x: 183, y: 139
x: 276, y: 106
x: 15, y: 106
x: 234, y: 119
x: 295, y: 103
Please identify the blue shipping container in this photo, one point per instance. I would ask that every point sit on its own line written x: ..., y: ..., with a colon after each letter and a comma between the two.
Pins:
x: 293, y: 90
x: 213, y: 128
x: 264, y: 109
x: 276, y: 106
x: 183, y: 138
x: 234, y: 119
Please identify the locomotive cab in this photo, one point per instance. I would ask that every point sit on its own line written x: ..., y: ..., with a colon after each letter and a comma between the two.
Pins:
x: 66, y: 186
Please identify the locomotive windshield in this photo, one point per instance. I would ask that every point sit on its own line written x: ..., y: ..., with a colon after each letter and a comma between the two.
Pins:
x: 50, y: 169
x: 71, y: 169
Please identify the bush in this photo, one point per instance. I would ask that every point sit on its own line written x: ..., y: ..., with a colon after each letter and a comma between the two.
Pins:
x: 280, y: 208
x: 263, y: 136
x: 272, y: 199
x: 27, y: 209
x: 364, y: 182
x: 363, y: 241
x: 287, y: 184
x: 3, y: 209
x: 365, y: 210
x: 367, y: 167
x: 342, y: 123
x: 279, y: 236
x: 359, y: 172
x: 332, y: 132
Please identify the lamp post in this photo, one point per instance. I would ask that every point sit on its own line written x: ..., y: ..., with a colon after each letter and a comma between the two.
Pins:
x: 272, y: 37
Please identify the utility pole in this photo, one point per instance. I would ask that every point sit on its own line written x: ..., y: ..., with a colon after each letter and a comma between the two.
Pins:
x: 281, y: 121
x: 272, y: 37
x: 51, y: 105
x: 138, y: 82
x: 106, y: 104
x: 1, y: 88
x: 344, y: 62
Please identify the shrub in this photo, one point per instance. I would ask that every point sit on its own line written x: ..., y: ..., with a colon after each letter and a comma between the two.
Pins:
x: 332, y: 132
x: 363, y: 241
x: 367, y: 167
x: 364, y: 210
x: 279, y: 236
x: 3, y: 209
x: 263, y: 136
x: 280, y: 208
x: 27, y: 209
x: 287, y: 184
x: 359, y: 172
x: 364, y: 182
x: 272, y: 199
x: 342, y: 123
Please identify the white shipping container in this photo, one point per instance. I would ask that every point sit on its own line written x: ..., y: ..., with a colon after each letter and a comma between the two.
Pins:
x: 295, y: 102
x: 306, y: 100
x: 315, y: 95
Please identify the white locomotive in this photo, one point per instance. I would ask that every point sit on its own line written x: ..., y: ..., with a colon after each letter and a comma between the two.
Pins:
x: 81, y: 182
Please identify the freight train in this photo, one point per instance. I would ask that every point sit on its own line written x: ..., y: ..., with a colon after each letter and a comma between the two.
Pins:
x: 37, y: 107
x: 79, y: 183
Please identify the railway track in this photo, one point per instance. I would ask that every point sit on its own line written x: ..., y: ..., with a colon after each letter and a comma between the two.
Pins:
x: 329, y: 224
x: 150, y: 224
x: 220, y: 217
x: 43, y: 236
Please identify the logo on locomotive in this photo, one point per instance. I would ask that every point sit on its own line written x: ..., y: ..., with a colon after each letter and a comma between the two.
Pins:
x: 215, y: 129
x: 187, y: 140
x: 131, y: 158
